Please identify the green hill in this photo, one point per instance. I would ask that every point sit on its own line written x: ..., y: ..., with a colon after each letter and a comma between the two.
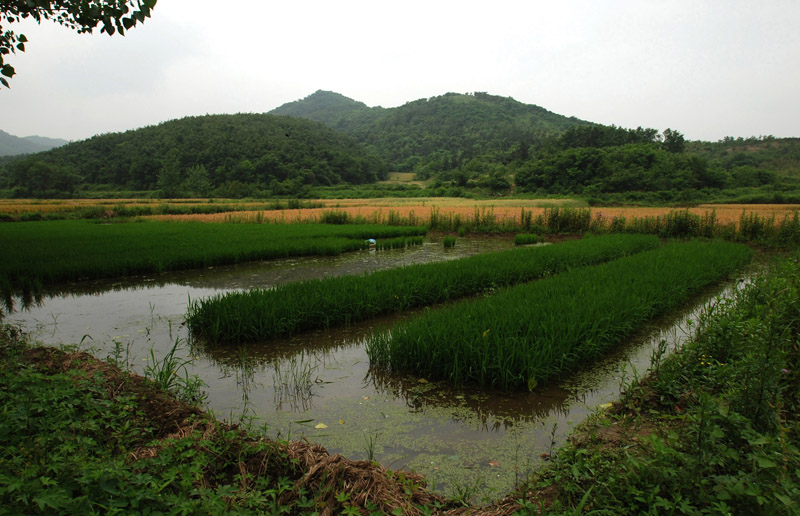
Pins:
x: 225, y: 155
x: 440, y: 133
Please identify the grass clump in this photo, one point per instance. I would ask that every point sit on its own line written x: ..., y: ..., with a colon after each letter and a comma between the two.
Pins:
x: 398, y: 243
x: 527, y: 238
x: 238, y: 317
x: 526, y: 334
x: 449, y: 242
x: 714, y: 430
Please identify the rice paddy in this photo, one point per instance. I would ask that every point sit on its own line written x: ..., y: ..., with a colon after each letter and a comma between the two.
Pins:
x: 238, y: 317
x: 529, y: 333
x: 40, y: 253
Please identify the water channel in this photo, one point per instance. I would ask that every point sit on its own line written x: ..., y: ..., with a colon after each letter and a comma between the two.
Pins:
x: 319, y: 386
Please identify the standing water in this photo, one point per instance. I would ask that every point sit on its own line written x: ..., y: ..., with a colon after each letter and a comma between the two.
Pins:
x: 470, y: 443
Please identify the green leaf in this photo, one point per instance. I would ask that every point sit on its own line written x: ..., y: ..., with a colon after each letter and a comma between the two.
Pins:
x: 765, y: 462
x: 532, y: 383
x: 7, y: 70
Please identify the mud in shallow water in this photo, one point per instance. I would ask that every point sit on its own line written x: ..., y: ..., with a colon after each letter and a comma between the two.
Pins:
x: 469, y: 443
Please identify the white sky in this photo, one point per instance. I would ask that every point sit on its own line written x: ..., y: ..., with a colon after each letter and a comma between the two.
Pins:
x: 706, y: 68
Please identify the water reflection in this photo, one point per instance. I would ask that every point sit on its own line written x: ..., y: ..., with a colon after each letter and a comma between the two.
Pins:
x: 320, y: 386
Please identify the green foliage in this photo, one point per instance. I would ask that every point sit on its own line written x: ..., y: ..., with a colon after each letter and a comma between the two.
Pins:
x: 631, y: 167
x: 440, y: 133
x: 258, y: 314
x: 169, y: 373
x: 241, y: 155
x: 526, y: 334
x: 715, y: 427
x: 449, y: 241
x: 54, y: 251
x: 766, y: 154
x: 598, y: 136
x: 527, y: 238
x: 82, y: 16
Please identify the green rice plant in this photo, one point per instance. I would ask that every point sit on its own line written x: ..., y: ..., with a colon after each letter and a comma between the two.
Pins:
x: 527, y: 238
x: 238, y: 317
x: 527, y: 334
x: 37, y: 254
x: 449, y: 242
x: 398, y: 243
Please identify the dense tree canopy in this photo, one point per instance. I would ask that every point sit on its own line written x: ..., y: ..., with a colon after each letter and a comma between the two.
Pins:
x: 437, y: 134
x: 233, y: 155
x: 112, y: 16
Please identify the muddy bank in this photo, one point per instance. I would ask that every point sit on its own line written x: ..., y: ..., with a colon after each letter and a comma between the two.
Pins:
x: 159, y: 423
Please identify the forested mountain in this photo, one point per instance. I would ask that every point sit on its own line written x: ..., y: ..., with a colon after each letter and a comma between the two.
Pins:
x: 441, y: 133
x: 460, y: 144
x: 11, y: 145
x: 226, y: 155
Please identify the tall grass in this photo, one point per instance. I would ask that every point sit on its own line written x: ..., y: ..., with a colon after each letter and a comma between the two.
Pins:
x: 529, y: 333
x: 238, y: 317
x: 41, y: 253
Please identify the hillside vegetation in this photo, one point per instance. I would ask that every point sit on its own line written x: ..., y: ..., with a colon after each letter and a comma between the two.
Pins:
x: 440, y: 133
x: 221, y: 155
x: 328, y: 145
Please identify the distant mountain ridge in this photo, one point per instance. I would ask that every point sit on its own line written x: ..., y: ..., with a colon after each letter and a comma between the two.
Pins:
x: 11, y: 145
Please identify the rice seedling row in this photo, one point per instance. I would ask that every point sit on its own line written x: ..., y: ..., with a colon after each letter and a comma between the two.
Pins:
x: 39, y: 253
x: 399, y: 242
x: 526, y: 334
x: 238, y: 317
x: 527, y: 238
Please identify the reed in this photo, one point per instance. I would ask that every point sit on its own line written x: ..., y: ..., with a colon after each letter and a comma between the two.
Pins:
x: 527, y: 334
x: 255, y: 315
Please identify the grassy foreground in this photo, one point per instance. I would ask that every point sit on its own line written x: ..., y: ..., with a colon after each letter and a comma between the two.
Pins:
x: 715, y: 430
x: 257, y: 314
x: 40, y: 253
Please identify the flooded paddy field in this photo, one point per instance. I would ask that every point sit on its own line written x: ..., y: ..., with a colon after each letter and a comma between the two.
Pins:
x: 469, y: 443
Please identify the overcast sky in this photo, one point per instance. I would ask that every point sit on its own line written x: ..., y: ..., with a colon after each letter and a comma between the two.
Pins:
x: 706, y: 68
